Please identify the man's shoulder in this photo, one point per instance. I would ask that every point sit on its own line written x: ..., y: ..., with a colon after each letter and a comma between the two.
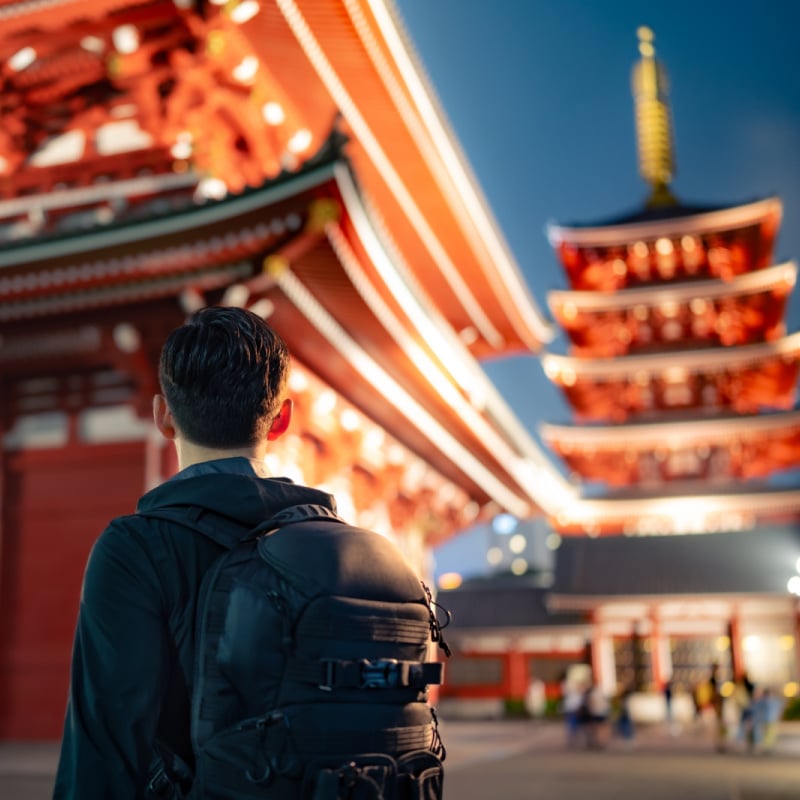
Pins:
x: 144, y: 531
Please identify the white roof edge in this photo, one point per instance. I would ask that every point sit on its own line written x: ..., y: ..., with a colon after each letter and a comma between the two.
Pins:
x: 602, y: 510
x: 683, y: 430
x: 97, y: 193
x: 707, y: 360
x: 703, y: 222
x: 465, y: 184
x: 213, y: 211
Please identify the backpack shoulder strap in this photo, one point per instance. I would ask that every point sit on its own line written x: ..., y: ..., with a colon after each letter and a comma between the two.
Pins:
x: 305, y: 512
x: 229, y: 532
x: 223, y: 530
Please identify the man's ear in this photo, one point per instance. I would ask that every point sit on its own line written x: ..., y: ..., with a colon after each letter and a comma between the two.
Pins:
x: 281, y: 420
x: 162, y: 416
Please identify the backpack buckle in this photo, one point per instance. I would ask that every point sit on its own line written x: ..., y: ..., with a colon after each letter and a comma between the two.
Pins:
x: 381, y: 674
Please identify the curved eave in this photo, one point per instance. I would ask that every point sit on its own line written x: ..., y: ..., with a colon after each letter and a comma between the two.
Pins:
x: 332, y: 330
x: 384, y: 281
x: 695, y: 224
x: 673, y: 434
x: 688, y: 361
x: 198, y: 224
x: 774, y: 277
x: 701, y: 513
x: 358, y: 297
x: 400, y: 145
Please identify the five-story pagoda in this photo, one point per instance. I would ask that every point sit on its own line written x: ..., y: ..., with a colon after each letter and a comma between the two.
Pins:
x: 681, y: 375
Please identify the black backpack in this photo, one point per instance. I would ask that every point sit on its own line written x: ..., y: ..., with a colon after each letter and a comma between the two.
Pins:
x: 312, y: 668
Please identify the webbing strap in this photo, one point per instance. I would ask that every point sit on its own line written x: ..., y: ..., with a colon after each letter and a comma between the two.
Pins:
x: 384, y: 673
x: 387, y: 740
x: 369, y: 629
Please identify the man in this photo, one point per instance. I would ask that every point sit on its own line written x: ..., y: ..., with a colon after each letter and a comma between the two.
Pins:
x: 223, y: 376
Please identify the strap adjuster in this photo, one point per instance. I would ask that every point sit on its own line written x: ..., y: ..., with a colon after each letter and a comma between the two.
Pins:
x: 326, y: 680
x: 384, y: 673
x: 380, y: 673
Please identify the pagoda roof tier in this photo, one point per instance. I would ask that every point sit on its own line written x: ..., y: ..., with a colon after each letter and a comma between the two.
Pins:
x: 746, y: 379
x: 707, y: 449
x: 746, y: 309
x: 739, y: 509
x: 273, y: 77
x: 664, y: 245
x: 305, y: 251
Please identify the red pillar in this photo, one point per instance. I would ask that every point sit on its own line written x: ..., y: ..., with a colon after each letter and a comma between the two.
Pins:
x: 656, y: 651
x: 596, y: 652
x: 796, y: 676
x: 516, y: 675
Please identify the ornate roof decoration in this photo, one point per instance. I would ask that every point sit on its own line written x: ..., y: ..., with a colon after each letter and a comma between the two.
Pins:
x: 238, y: 92
x: 653, y: 122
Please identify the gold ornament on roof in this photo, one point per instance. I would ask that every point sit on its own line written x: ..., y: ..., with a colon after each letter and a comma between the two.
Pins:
x: 653, y: 121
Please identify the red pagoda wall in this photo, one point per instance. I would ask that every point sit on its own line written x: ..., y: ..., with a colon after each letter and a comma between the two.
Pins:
x: 62, y: 499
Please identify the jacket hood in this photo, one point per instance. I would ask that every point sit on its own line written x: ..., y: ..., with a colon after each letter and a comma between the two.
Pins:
x: 248, y: 500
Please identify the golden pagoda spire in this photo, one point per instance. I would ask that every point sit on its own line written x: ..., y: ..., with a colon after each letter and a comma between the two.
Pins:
x: 653, y: 121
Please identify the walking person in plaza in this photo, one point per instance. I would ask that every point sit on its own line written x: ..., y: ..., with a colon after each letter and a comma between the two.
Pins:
x: 593, y: 715
x: 623, y: 720
x: 571, y: 702
x: 743, y: 695
x: 234, y: 608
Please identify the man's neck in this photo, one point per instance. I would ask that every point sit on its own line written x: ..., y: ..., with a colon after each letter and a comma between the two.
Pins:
x: 190, y: 453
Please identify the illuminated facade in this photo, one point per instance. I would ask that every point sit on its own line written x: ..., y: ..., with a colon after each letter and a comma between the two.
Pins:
x: 288, y: 157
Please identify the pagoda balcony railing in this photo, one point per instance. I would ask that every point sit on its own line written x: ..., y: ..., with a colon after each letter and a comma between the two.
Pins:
x: 746, y: 310
x: 709, y: 360
x: 781, y: 276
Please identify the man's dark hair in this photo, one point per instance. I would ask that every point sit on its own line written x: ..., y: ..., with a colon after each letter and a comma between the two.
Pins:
x: 223, y: 374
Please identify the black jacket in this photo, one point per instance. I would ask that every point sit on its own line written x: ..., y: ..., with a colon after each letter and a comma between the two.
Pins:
x: 132, y: 662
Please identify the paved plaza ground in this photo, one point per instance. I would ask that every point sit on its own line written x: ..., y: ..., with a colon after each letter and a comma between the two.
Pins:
x: 524, y: 760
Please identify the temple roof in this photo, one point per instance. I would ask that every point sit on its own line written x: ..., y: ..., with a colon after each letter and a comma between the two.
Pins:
x: 238, y: 92
x: 667, y: 221
x: 740, y: 563
x: 502, y: 602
